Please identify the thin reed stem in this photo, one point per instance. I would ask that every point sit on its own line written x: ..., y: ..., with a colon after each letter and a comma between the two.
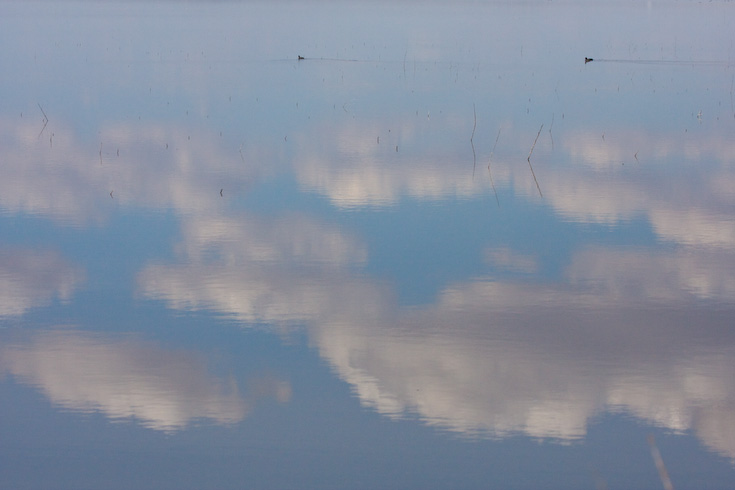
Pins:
x: 489, y: 172
x: 550, y: 128
x: 659, y: 462
x: 529, y: 160
x: 45, y: 120
x: 472, y: 144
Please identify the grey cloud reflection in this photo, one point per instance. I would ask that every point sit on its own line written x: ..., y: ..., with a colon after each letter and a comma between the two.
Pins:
x: 128, y: 378
x: 624, y: 331
x: 32, y: 278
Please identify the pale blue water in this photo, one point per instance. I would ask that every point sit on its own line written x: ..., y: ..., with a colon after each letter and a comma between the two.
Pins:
x: 441, y: 251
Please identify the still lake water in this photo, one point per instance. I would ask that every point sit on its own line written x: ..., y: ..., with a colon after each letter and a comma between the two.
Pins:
x: 441, y: 251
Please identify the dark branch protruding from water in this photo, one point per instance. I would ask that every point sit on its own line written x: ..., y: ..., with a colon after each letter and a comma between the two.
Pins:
x: 529, y: 160
x: 45, y: 119
x: 472, y: 144
x: 489, y: 172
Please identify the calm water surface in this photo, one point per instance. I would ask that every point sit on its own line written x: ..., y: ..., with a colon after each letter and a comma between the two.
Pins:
x: 440, y: 251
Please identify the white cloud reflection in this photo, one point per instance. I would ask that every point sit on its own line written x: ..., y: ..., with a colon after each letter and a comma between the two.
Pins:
x: 627, y: 175
x: 679, y: 185
x: 544, y: 363
x: 494, y: 358
x: 625, y: 329
x: 155, y: 166
x: 366, y: 168
x: 258, y: 269
x: 127, y: 378
x: 489, y: 358
x: 32, y: 278
x: 633, y: 330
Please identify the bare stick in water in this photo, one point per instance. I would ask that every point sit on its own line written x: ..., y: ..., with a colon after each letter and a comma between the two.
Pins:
x: 474, y: 113
x: 529, y: 160
x: 474, y: 155
x: 534, y: 143
x: 732, y: 108
x: 489, y: 172
x: 45, y: 119
x: 496, y: 141
x: 474, y: 159
x: 660, y: 466
x: 550, y: 128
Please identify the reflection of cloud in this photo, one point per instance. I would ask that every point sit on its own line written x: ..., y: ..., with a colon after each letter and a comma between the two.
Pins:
x: 586, y: 147
x: 690, y: 207
x: 293, y: 239
x: 128, y: 378
x: 508, y: 259
x: 257, y: 269
x: 167, y: 167
x: 457, y: 382
x: 489, y: 357
x: 255, y: 294
x: 366, y: 184
x: 36, y: 181
x: 33, y: 278
x: 156, y: 166
x: 366, y: 172
x: 689, y: 203
x: 671, y: 277
x: 542, y: 360
x: 687, y: 399
x: 586, y: 197
x: 695, y: 226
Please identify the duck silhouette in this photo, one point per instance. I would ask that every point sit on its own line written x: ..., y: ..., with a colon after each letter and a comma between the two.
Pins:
x: 587, y: 60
